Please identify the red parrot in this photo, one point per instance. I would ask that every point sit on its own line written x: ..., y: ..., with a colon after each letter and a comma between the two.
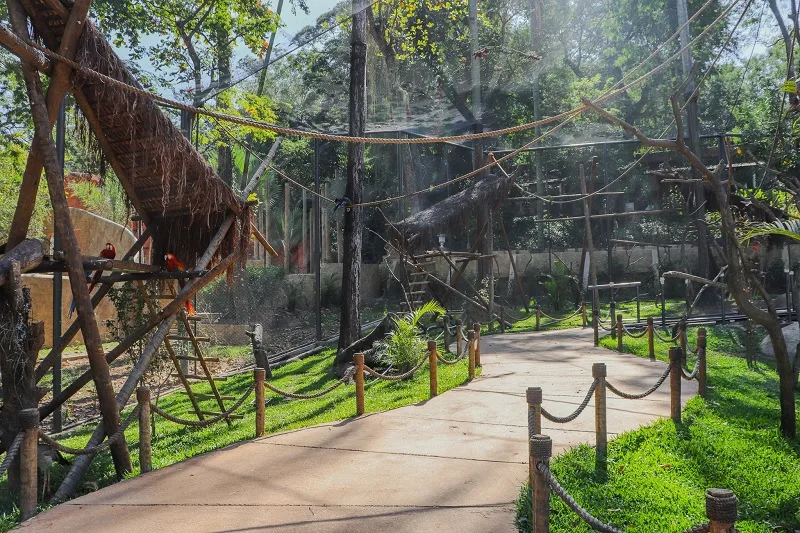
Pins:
x: 109, y: 252
x: 174, y: 265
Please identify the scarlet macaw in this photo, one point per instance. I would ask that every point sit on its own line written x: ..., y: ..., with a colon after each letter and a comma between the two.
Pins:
x: 109, y: 252
x: 174, y: 265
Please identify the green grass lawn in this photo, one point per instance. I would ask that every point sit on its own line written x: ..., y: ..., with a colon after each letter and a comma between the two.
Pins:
x: 173, y: 443
x: 627, y: 309
x: 657, y: 475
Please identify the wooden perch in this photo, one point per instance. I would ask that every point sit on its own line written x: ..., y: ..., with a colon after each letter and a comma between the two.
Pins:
x: 29, y: 254
x: 696, y: 279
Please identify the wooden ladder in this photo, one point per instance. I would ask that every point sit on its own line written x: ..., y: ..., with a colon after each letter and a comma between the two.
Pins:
x: 192, y: 344
x: 418, y: 284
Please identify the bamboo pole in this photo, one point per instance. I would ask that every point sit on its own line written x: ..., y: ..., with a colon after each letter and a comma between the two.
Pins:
x: 433, y: 368
x: 477, y: 328
x: 145, y: 431
x: 359, y: 377
x: 259, y: 374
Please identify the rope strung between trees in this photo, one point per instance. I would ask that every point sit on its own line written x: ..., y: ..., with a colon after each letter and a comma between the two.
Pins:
x: 11, y: 453
x: 207, y: 421
x: 299, y: 396
x: 584, y: 515
x: 389, y: 377
x: 91, y: 450
x: 375, y: 140
x: 578, y: 411
x: 648, y: 392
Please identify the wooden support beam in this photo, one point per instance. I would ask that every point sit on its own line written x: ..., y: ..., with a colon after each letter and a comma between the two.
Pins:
x: 55, y: 185
x: 27, y: 255
x: 20, y: 48
x: 59, y: 83
x: 263, y: 240
x: 72, y: 330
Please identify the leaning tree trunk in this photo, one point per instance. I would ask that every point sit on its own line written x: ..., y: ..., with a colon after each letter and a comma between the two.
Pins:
x: 20, y: 342
x: 350, y: 322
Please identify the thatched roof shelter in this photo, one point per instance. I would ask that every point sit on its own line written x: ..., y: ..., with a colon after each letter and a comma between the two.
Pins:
x: 455, y: 210
x: 166, y: 180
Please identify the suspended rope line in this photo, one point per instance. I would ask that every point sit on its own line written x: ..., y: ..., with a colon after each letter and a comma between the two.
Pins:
x: 376, y: 140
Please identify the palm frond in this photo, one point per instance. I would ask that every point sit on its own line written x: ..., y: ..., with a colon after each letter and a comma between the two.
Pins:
x: 783, y: 228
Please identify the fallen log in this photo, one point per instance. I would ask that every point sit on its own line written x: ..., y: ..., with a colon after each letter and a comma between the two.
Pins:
x: 29, y: 254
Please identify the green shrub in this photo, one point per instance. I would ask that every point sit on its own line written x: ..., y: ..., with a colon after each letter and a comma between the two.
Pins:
x: 331, y: 291
x: 404, y: 347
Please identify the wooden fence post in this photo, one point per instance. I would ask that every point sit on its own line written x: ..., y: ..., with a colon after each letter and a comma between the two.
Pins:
x: 721, y: 510
x: 541, y: 450
x: 433, y: 368
x: 459, y: 337
x: 584, y: 318
x: 600, y: 417
x: 471, y: 348
x: 28, y: 463
x: 259, y: 374
x: 534, y: 397
x: 359, y: 361
x: 477, y: 328
x: 596, y: 326
x: 682, y: 339
x: 675, y: 384
x: 538, y: 317
x: 702, y: 370
x: 446, y: 322
x: 619, y: 333
x: 612, y: 314
x: 651, y: 347
x: 145, y: 431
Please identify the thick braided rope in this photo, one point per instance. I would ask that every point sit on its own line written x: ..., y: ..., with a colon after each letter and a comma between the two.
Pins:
x: 634, y: 335
x: 298, y: 396
x: 644, y: 394
x: 387, y: 377
x: 693, y: 374
x: 11, y: 453
x: 91, y: 450
x: 460, y: 356
x: 207, y: 421
x: 556, y: 320
x: 578, y: 411
x: 346, y: 138
x: 663, y: 339
x: 610, y: 328
x: 593, y: 522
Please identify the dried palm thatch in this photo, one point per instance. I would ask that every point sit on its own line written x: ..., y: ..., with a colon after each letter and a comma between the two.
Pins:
x: 183, y: 198
x: 455, y: 210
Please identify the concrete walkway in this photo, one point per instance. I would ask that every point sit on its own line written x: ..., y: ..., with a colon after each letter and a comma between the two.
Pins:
x: 454, y: 463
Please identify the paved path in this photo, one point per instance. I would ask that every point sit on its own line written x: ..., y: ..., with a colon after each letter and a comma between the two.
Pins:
x: 454, y: 463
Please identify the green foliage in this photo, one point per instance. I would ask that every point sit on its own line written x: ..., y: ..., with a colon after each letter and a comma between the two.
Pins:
x: 108, y: 201
x: 560, y: 286
x: 404, y: 346
x: 257, y: 292
x: 11, y: 169
x: 657, y: 474
x: 294, y: 295
x: 331, y: 291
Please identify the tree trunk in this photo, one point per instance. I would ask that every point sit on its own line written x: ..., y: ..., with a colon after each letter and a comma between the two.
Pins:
x: 350, y: 322
x: 224, y: 154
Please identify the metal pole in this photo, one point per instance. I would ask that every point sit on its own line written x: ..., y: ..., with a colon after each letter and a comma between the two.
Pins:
x: 57, y: 421
x: 317, y: 244
x: 664, y: 303
x: 638, y: 307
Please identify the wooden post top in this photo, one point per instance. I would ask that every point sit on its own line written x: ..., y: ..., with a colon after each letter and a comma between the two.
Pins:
x: 471, y: 335
x: 598, y: 370
x: 534, y: 395
x: 29, y: 418
x: 358, y: 358
x: 431, y: 345
x: 541, y: 447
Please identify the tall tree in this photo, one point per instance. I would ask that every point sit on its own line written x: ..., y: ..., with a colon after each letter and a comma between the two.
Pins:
x: 350, y: 321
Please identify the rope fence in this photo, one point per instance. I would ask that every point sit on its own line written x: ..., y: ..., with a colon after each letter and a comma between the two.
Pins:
x: 208, y: 421
x: 721, y: 504
x: 11, y: 453
x: 299, y: 396
x: 91, y: 450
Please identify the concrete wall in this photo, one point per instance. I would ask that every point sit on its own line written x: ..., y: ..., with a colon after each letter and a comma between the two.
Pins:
x: 93, y: 233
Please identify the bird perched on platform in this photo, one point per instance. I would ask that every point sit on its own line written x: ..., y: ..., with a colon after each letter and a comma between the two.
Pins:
x: 173, y: 264
x: 109, y: 252
x: 45, y: 457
